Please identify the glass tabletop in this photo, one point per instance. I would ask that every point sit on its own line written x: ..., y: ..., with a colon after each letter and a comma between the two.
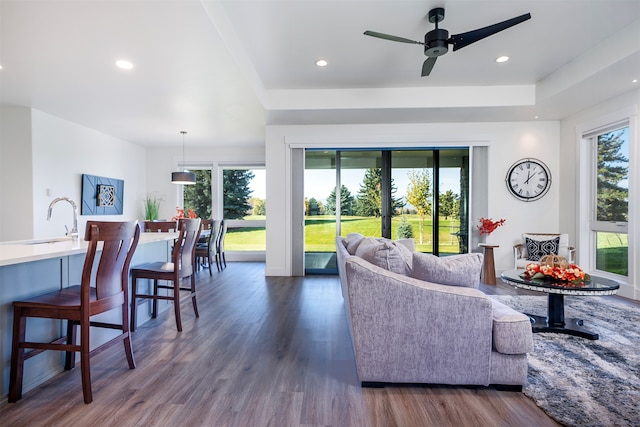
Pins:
x: 595, y: 286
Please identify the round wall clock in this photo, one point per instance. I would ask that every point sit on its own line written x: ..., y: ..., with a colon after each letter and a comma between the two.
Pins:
x: 528, y: 179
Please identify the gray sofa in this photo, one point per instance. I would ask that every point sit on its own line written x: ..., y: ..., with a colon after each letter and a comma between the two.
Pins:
x: 406, y: 329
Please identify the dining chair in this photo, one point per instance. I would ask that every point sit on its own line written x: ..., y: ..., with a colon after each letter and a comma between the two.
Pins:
x: 160, y: 226
x: 181, y: 266
x: 107, y: 267
x: 208, y: 249
x: 221, y: 260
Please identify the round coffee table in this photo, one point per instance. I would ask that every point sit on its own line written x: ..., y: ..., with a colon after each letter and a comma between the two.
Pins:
x: 556, y: 290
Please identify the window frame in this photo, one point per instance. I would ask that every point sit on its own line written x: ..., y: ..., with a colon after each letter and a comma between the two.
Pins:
x: 588, y: 227
x: 252, y: 255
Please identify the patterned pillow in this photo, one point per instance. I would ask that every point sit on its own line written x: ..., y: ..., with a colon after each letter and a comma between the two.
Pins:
x: 455, y: 270
x: 536, y: 249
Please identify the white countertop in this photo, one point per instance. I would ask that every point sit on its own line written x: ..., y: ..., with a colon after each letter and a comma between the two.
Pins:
x: 18, y: 252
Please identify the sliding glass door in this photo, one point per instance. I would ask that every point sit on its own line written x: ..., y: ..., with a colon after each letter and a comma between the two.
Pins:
x: 419, y: 193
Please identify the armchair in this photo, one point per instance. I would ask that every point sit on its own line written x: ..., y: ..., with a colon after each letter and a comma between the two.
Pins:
x: 536, y: 245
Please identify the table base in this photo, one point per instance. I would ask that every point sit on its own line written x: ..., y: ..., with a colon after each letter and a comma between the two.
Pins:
x: 555, y: 321
x: 570, y: 327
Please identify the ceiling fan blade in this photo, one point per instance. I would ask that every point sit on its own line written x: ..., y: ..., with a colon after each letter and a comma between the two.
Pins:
x: 428, y: 64
x: 390, y: 37
x: 465, y: 39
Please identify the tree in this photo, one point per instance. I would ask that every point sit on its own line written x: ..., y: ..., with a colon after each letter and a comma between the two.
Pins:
x: 259, y: 206
x: 236, y: 193
x: 419, y: 195
x: 369, y: 198
x: 198, y: 196
x: 314, y: 208
x: 612, y: 168
x: 404, y: 230
x: 449, y: 203
x: 346, y: 202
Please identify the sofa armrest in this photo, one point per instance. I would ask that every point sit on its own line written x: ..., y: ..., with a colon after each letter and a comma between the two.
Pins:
x: 408, y: 330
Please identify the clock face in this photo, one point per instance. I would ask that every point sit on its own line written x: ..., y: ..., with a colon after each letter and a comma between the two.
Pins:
x: 528, y: 179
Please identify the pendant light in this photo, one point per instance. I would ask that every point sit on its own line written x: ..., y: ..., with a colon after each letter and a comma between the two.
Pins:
x: 184, y: 177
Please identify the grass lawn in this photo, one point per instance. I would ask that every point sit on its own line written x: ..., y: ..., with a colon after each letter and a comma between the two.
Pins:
x: 612, y: 253
x: 245, y: 239
x: 320, y: 233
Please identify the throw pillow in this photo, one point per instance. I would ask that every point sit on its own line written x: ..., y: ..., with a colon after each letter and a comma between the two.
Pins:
x: 455, y: 270
x: 365, y: 245
x: 536, y: 249
x: 352, y: 241
x: 388, y: 256
x: 406, y: 252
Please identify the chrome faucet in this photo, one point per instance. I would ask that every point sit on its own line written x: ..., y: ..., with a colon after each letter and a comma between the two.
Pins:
x: 74, y: 231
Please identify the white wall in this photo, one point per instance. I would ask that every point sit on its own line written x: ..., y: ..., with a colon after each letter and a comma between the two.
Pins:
x: 60, y: 152
x: 507, y: 142
x: 16, y: 204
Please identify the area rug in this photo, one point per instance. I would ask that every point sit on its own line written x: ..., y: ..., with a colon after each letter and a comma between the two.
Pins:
x: 580, y: 382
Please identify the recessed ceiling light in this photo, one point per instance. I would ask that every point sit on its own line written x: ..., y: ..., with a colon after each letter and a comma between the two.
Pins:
x: 322, y: 63
x: 503, y: 58
x: 0, y: 67
x: 632, y: 81
x: 124, y: 64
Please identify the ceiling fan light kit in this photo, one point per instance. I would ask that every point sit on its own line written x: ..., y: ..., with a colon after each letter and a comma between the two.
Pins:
x: 437, y: 41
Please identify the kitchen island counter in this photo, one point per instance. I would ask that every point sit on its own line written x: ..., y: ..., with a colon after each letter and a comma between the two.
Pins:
x: 33, y: 267
x: 22, y: 251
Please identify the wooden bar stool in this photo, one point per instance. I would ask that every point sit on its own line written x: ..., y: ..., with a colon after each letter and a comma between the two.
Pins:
x: 182, y: 265
x: 78, y: 303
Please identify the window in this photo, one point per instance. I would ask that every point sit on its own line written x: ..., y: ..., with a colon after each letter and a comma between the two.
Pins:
x: 610, y: 199
x: 244, y: 208
x: 198, y: 196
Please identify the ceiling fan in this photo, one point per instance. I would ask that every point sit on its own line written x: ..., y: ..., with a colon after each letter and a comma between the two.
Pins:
x: 436, y: 41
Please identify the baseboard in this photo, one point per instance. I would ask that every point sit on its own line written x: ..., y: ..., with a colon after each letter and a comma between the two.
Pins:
x: 504, y: 387
x: 373, y: 384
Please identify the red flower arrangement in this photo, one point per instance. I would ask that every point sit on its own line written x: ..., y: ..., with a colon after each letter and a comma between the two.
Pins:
x: 180, y: 214
x: 488, y: 226
x: 572, y: 273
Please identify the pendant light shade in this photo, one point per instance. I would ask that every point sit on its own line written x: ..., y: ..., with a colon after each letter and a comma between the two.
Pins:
x: 184, y: 177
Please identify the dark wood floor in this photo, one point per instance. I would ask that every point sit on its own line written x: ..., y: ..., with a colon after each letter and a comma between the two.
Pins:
x: 264, y: 352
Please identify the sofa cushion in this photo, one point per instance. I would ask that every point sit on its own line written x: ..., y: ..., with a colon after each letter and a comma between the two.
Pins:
x: 536, y: 249
x: 511, y: 330
x: 403, y: 247
x: 387, y: 255
x: 456, y: 270
x: 352, y: 241
x: 410, y: 244
x: 365, y: 245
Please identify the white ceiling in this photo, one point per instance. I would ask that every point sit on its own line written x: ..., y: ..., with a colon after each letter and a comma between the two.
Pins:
x: 222, y: 69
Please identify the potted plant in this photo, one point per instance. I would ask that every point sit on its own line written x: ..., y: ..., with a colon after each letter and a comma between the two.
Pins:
x: 151, y: 208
